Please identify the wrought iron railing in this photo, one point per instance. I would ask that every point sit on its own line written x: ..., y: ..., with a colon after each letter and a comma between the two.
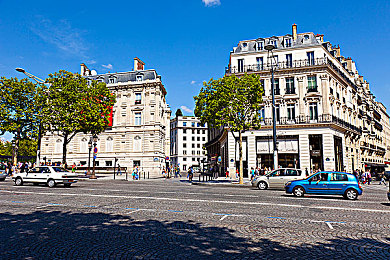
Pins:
x: 325, y: 118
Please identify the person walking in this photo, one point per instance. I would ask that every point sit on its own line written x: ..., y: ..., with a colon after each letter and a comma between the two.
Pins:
x: 190, y: 174
x: 119, y: 172
x: 369, y: 177
x: 383, y: 180
x: 73, y: 168
x: 252, y: 173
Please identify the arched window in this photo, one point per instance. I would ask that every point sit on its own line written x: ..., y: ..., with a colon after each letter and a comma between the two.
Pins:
x: 109, y: 144
x: 137, y: 144
x: 58, y: 146
x: 83, y: 145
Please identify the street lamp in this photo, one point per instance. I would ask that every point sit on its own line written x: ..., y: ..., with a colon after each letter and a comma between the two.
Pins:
x: 270, y: 49
x: 39, y: 81
x: 89, y: 155
x: 95, y: 139
x: 14, y: 158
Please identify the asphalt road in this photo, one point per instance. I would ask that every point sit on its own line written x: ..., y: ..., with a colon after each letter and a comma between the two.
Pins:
x: 170, y: 219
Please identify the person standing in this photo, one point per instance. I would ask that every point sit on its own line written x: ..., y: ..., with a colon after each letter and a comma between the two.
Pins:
x: 369, y: 177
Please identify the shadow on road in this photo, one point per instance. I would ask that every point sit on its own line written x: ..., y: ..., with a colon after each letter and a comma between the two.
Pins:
x: 65, y: 235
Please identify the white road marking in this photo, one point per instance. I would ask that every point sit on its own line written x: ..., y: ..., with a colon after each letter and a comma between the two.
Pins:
x: 198, y: 200
x: 134, y: 211
x: 329, y: 225
x: 223, y: 217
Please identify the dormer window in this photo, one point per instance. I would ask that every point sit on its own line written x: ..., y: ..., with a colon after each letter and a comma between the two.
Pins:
x: 260, y: 46
x: 139, y: 78
x: 112, y: 80
x: 273, y: 42
x: 287, y: 42
x: 244, y: 45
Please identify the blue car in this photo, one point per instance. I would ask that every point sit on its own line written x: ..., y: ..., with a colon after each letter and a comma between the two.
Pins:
x: 326, y: 183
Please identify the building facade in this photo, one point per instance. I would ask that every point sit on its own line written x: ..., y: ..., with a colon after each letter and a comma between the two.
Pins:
x: 327, y: 117
x: 139, y: 134
x: 188, y: 137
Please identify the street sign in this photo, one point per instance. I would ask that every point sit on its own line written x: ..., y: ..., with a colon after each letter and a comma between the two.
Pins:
x: 94, y: 157
x: 155, y: 159
x: 95, y: 150
x: 167, y: 158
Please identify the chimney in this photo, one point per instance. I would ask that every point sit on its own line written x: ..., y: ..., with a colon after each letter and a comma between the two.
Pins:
x: 84, y: 70
x: 294, y: 31
x: 138, y: 64
x: 337, y: 50
x: 349, y: 63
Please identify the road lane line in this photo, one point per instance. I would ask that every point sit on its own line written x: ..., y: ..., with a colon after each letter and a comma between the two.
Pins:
x: 329, y: 225
x: 200, y: 200
x: 223, y: 217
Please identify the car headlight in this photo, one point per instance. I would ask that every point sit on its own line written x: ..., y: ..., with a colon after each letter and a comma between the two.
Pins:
x: 288, y: 183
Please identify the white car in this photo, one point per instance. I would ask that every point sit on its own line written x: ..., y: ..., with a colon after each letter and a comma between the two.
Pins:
x: 277, y: 178
x: 50, y: 175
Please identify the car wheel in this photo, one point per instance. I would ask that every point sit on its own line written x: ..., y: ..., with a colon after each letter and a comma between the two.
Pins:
x: 262, y: 185
x: 51, y: 183
x: 67, y: 185
x: 299, y: 191
x: 18, y: 181
x: 351, y: 194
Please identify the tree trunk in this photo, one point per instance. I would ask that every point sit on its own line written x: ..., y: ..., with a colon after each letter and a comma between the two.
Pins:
x: 16, y: 148
x: 64, y: 145
x: 240, y: 157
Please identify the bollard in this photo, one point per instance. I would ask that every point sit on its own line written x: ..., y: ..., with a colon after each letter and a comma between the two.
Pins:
x: 126, y: 175
x: 148, y: 175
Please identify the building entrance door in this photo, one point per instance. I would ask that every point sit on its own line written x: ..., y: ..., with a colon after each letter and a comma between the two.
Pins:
x: 338, y: 153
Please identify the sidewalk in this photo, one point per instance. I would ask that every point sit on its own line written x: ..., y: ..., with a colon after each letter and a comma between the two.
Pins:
x: 223, y: 182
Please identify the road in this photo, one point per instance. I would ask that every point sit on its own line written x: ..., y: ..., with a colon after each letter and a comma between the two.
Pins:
x: 170, y: 219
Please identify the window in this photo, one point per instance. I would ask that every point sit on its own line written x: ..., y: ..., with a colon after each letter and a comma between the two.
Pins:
x: 197, y: 124
x: 262, y: 114
x: 198, y: 132
x: 203, y: 138
x: 198, y: 145
x: 287, y: 42
x: 290, y: 88
x: 291, y: 111
x: 193, y: 152
x: 273, y: 42
x: 193, y: 124
x: 198, y: 138
x: 203, y: 131
x: 193, y: 145
x: 83, y: 145
x: 289, y: 60
x: 184, y: 145
x: 198, y: 152
x: 241, y: 65
x: 310, y: 57
x: 311, y: 84
x: 277, y: 112
x: 193, y: 159
x: 313, y: 111
x: 260, y: 63
x: 184, y: 167
x: 193, y: 131
x: 260, y: 46
x: 184, y: 152
x: 108, y: 163
x: 139, y: 78
x: 137, y: 144
x: 137, y: 118
x: 111, y: 80
x: 137, y: 98
x: 109, y: 144
x: 291, y: 172
x: 58, y: 146
x: 184, y: 124
x: 184, y: 138
x: 184, y: 131
x: 276, y: 87
x: 331, y: 90
x: 193, y: 138
x: 338, y: 177
x: 184, y: 159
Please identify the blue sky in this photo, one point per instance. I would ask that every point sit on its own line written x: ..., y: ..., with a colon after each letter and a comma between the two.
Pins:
x: 186, y: 41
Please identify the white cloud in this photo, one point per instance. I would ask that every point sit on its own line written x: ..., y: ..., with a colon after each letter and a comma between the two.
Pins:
x: 186, y: 109
x: 211, y: 2
x: 62, y: 35
x: 193, y: 82
x: 108, y: 66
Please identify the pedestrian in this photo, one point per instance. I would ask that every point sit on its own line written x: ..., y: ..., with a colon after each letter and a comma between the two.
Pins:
x: 252, y: 173
x: 383, y: 180
x: 190, y: 174
x: 227, y: 173
x: 369, y: 177
x: 73, y: 168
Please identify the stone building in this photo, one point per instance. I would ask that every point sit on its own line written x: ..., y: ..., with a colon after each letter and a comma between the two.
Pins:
x: 188, y: 137
x: 327, y: 117
x: 139, y: 132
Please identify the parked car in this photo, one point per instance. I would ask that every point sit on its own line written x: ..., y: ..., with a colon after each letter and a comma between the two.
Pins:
x: 3, y: 172
x: 50, y: 175
x: 277, y: 178
x: 326, y: 183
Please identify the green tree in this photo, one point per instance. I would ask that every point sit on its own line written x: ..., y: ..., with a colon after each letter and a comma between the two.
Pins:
x: 19, y: 109
x: 178, y: 113
x: 232, y: 103
x: 74, y: 107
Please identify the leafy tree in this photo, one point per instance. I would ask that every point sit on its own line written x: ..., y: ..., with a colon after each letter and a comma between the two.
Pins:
x: 27, y: 147
x: 178, y: 113
x: 74, y: 107
x: 19, y: 108
x: 233, y: 103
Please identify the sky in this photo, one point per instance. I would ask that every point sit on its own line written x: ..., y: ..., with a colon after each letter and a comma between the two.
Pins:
x: 186, y: 41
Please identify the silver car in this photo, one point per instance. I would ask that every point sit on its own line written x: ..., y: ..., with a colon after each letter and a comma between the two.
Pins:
x: 3, y: 172
x: 277, y: 178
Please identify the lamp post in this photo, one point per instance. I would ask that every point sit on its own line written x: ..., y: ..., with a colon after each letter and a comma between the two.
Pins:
x: 89, y: 155
x: 39, y: 81
x: 95, y: 139
x: 14, y: 158
x: 270, y: 48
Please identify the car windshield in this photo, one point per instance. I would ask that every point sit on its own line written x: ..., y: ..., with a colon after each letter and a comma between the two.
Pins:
x: 59, y: 169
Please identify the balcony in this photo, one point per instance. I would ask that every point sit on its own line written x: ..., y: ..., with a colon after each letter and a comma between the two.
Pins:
x: 312, y: 89
x: 290, y: 64
x: 325, y: 118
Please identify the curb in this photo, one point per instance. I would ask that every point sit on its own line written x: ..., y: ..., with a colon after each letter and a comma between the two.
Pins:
x: 222, y: 185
